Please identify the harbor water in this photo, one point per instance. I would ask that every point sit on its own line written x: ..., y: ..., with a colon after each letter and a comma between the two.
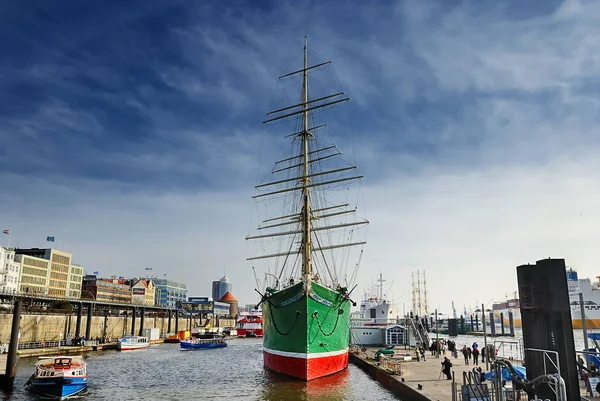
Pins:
x: 164, y: 372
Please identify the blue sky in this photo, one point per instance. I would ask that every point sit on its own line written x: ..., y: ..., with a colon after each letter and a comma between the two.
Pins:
x: 132, y: 133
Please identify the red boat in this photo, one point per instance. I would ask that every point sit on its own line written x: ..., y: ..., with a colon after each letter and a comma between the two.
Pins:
x: 249, y: 325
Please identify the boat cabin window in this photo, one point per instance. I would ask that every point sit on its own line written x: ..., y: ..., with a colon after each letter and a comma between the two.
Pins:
x: 62, y: 363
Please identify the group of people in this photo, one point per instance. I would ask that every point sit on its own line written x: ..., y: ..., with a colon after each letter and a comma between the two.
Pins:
x: 474, y: 352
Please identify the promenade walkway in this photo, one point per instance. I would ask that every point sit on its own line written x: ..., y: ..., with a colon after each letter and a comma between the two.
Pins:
x: 428, y: 374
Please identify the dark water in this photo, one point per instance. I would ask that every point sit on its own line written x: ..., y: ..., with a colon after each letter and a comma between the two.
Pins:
x: 164, y: 372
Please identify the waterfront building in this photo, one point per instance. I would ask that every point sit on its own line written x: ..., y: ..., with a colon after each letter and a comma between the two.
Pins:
x: 169, y: 293
x: 106, y: 289
x: 49, y: 272
x: 9, y: 271
x: 142, y: 292
x: 207, y: 307
x: 228, y: 298
x: 220, y: 287
x: 34, y: 275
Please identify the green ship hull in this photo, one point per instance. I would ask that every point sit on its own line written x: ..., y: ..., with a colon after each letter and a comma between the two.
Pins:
x: 306, y: 335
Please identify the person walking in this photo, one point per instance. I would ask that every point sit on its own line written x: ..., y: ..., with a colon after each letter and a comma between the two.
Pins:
x: 446, y: 365
x: 475, y: 356
x: 580, y: 365
x: 465, y: 353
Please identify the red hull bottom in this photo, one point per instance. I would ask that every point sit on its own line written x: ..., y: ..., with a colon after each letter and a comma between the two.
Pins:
x: 306, y: 368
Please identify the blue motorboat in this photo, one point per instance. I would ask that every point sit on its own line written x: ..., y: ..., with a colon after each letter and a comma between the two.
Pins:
x: 59, y: 376
x: 203, y: 343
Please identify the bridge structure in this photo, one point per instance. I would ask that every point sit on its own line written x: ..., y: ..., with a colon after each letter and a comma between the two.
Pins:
x: 40, y: 304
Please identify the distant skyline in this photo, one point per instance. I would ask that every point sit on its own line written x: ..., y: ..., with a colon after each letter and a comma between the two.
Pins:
x: 131, y: 133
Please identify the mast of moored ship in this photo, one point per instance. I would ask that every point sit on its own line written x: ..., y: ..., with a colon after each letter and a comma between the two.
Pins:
x: 306, y: 240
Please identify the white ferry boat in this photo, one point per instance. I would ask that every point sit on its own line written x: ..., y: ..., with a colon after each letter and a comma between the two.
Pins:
x: 133, y: 342
x: 591, y: 300
x: 59, y: 376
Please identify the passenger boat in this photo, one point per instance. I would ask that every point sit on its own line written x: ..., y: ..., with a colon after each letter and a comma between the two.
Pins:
x: 133, y: 342
x: 249, y: 325
x: 59, y: 376
x: 203, y: 343
x: 310, y: 233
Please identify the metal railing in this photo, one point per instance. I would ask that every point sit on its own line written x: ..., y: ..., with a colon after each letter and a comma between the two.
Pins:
x: 511, y: 350
x: 44, y: 344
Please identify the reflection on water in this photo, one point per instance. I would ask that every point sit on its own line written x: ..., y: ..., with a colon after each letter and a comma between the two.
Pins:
x: 334, y: 387
x: 164, y: 372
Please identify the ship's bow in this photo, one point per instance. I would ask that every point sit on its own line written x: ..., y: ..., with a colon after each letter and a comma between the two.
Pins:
x: 306, y: 333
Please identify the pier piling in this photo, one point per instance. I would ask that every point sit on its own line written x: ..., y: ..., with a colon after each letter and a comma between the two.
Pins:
x: 88, y: 323
x: 502, y: 322
x: 492, y: 324
x: 177, y: 321
x: 105, y: 324
x: 133, y: 321
x: 511, y: 324
x: 13, y: 357
x: 142, y: 313
x: 78, y: 324
x: 169, y: 323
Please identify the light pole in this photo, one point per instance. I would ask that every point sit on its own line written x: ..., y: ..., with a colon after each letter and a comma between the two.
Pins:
x: 437, y: 336
x: 487, y: 360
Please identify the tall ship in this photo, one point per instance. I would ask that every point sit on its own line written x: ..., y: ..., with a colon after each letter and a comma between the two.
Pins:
x: 306, y: 305
x: 591, y: 301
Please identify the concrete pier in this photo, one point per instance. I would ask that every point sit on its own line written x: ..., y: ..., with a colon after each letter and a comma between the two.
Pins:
x: 403, y: 378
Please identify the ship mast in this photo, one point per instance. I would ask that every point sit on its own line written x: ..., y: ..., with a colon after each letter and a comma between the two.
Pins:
x: 306, y: 240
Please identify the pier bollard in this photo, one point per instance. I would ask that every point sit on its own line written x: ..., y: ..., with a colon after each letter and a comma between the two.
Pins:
x: 13, y: 357
x: 511, y: 324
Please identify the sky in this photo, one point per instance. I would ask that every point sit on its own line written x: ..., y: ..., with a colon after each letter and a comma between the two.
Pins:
x: 131, y: 132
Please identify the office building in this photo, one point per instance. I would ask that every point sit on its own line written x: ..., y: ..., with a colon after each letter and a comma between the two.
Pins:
x: 142, y: 292
x: 220, y: 288
x: 9, y: 271
x: 49, y: 272
x: 106, y: 290
x: 169, y: 293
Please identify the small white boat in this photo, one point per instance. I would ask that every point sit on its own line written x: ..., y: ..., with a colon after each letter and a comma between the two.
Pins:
x: 59, y: 376
x: 133, y: 342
